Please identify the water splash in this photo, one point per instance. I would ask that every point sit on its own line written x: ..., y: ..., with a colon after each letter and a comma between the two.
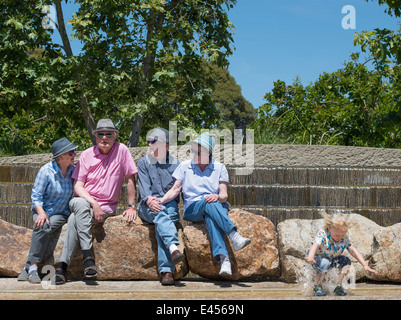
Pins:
x: 306, y: 280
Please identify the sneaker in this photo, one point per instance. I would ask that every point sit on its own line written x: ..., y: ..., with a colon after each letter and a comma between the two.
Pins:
x: 33, y: 277
x: 239, y: 242
x: 225, y: 269
x: 339, y: 290
x: 23, y: 276
x: 319, y: 291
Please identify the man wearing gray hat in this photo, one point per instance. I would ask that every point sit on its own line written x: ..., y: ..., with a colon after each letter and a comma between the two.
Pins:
x: 99, y: 176
x: 50, y: 196
x: 154, y: 180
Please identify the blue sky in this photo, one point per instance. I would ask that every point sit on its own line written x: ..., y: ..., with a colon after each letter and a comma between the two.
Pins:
x: 280, y: 40
x: 289, y: 38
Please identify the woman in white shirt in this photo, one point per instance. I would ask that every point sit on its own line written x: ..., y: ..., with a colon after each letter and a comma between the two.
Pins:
x: 204, y: 182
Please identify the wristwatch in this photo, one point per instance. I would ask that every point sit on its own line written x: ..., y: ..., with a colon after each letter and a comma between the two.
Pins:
x: 131, y: 206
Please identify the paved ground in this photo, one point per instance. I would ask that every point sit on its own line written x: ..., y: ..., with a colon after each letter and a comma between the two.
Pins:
x: 11, y: 289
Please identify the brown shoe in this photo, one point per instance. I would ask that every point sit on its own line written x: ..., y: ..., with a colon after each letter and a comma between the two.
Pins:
x: 177, y: 256
x: 167, y: 279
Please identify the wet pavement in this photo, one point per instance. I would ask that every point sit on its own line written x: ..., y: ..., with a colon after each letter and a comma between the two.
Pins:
x: 11, y: 289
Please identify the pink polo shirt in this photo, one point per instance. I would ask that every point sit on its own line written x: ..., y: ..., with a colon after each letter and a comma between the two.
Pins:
x: 103, y: 174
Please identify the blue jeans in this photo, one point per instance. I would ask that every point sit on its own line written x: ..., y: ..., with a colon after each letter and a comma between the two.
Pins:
x: 166, y: 232
x: 323, y: 264
x: 217, y: 223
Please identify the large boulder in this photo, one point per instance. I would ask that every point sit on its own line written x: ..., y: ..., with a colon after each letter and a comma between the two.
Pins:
x: 258, y: 261
x: 122, y: 251
x: 14, y: 247
x: 386, y: 258
x: 295, y: 238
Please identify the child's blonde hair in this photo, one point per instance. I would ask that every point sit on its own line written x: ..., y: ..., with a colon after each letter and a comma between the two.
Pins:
x: 336, y: 220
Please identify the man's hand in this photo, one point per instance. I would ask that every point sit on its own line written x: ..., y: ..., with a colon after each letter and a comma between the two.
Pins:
x: 98, y: 213
x: 130, y: 214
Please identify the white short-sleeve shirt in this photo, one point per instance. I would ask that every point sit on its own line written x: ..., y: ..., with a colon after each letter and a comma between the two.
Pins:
x: 196, y: 184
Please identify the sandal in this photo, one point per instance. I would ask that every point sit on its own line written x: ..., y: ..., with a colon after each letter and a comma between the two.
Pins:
x: 90, y: 270
x: 61, y: 276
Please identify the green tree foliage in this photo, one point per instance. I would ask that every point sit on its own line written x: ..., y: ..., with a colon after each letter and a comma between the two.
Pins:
x: 393, y: 6
x: 32, y: 97
x: 352, y: 106
x: 234, y: 110
x: 136, y: 56
x: 357, y: 105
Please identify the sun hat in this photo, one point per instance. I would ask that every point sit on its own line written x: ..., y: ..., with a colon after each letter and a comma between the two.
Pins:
x: 105, y: 125
x: 205, y: 141
x: 158, y: 134
x: 61, y: 146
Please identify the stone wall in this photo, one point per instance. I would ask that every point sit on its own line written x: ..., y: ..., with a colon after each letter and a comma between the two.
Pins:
x: 284, y: 182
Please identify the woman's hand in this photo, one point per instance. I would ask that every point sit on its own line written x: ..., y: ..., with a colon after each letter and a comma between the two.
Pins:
x: 212, y: 198
x: 41, y: 219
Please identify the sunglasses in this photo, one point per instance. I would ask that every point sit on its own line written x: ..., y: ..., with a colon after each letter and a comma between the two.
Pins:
x: 72, y: 152
x: 152, y: 141
x: 108, y: 135
x: 197, y: 152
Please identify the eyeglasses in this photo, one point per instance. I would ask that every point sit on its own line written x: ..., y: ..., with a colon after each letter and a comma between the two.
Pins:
x: 108, y: 135
x: 72, y: 152
x: 152, y: 141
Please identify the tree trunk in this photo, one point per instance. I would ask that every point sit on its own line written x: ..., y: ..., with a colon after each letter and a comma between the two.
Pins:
x: 153, y: 23
x: 135, y: 131
x: 89, y: 122
x: 83, y: 102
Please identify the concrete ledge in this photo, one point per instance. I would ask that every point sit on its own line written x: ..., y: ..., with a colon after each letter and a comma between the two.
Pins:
x: 184, y: 290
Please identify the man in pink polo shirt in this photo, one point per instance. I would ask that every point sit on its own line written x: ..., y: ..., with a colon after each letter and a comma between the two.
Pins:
x: 99, y: 176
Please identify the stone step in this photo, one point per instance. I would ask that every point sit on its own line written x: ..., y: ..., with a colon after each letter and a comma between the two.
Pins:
x: 317, y: 196
x: 271, y: 195
x: 321, y: 176
x: 18, y: 173
x: 262, y: 175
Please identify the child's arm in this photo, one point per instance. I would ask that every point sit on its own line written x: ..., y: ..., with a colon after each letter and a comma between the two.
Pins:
x: 355, y: 253
x: 312, y: 252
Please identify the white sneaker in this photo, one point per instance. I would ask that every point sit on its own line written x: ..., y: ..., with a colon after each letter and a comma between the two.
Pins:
x: 225, y: 269
x: 239, y: 242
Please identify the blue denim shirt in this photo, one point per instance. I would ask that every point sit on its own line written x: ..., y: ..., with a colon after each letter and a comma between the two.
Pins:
x: 155, y: 178
x: 51, y: 190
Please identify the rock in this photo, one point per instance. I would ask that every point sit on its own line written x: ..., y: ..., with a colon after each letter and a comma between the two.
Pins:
x: 14, y: 248
x: 136, y: 257
x: 295, y: 238
x: 387, y: 254
x: 122, y: 251
x: 257, y: 261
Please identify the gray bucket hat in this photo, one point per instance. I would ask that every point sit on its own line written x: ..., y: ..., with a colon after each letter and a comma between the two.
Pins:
x: 105, y: 125
x: 61, y: 146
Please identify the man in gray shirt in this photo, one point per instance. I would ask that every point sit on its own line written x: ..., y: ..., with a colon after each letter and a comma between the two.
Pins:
x: 154, y: 180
